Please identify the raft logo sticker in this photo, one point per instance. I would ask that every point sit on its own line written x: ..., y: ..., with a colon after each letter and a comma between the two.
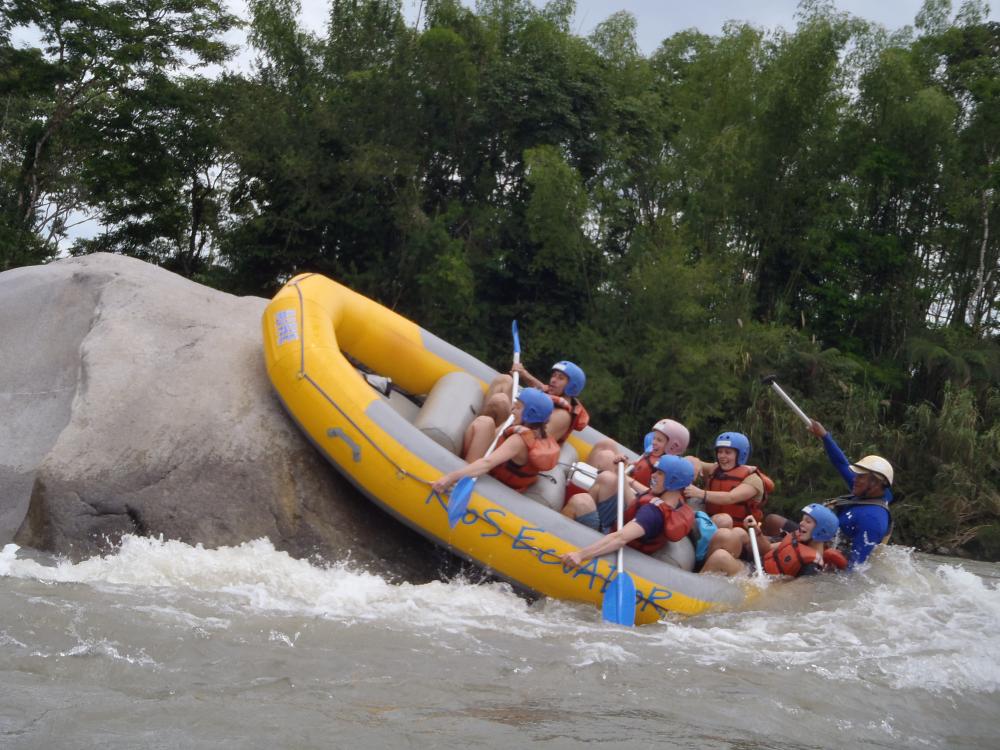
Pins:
x: 288, y: 326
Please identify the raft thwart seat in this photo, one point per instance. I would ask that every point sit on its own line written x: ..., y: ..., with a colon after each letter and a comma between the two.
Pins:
x: 449, y: 409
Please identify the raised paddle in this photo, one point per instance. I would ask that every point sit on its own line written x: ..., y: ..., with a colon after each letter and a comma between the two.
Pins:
x: 769, y: 380
x: 619, y: 594
x: 458, y: 501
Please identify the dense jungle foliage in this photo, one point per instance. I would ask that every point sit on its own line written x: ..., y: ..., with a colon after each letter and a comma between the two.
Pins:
x: 815, y: 203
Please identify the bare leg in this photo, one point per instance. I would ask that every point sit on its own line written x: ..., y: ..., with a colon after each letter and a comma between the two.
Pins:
x: 478, y: 436
x: 498, y: 401
x: 729, y: 540
x: 606, y: 485
x: 579, y: 505
x: 721, y: 561
x: 723, y: 520
x: 603, y: 453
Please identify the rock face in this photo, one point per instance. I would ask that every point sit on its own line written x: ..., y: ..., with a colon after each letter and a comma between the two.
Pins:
x: 134, y: 401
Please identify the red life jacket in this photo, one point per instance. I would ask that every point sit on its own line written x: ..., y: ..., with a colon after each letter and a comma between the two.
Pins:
x: 642, y: 470
x: 791, y: 556
x: 577, y: 414
x: 726, y: 481
x: 543, y: 454
x: 677, y: 522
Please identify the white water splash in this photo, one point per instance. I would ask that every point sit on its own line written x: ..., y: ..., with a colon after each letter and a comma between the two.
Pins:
x: 905, y: 622
x: 261, y: 578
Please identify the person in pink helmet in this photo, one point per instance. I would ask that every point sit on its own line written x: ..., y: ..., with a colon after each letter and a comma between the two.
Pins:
x: 670, y: 438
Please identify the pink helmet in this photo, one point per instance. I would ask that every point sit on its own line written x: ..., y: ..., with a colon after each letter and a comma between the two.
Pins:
x: 677, y: 435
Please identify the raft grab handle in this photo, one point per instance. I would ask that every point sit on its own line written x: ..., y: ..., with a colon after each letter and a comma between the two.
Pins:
x: 337, y: 432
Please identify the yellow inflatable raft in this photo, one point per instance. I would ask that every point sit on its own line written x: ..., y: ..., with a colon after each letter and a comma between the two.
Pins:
x: 331, y: 354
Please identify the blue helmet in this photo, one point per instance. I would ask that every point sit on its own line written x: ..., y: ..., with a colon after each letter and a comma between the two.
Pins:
x: 647, y: 443
x: 678, y: 472
x: 827, y: 524
x: 576, y: 377
x: 736, y: 440
x: 537, y: 406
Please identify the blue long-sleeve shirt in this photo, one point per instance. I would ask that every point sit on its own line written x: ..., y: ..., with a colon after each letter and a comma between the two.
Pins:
x: 863, y: 525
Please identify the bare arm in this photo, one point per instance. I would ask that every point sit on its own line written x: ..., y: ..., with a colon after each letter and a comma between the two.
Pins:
x: 702, y: 470
x: 610, y: 543
x: 752, y: 527
x: 527, y: 378
x: 508, y: 449
x: 738, y: 494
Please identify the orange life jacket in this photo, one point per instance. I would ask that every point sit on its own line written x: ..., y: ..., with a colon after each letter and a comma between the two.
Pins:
x: 543, y: 454
x: 579, y: 418
x: 677, y: 522
x: 834, y: 558
x: 642, y: 470
x: 790, y: 557
x: 726, y: 481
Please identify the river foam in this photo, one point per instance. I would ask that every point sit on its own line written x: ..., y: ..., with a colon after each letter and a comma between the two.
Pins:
x: 907, y: 621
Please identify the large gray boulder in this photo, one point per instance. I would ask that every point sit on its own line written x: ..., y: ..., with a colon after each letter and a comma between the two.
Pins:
x: 134, y: 401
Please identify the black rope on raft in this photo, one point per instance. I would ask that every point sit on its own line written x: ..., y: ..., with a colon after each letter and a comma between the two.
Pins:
x: 401, y: 472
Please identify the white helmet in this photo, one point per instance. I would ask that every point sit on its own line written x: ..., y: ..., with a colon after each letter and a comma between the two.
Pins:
x: 874, y: 465
x: 677, y: 435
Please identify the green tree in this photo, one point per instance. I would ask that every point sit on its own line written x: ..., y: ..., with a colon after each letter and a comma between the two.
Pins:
x: 157, y: 176
x: 92, y: 55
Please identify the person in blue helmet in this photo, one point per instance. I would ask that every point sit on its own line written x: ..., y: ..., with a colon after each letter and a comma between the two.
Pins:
x: 524, y: 449
x: 566, y: 382
x: 732, y: 488
x: 658, y: 517
x: 806, y: 550
x: 863, y: 514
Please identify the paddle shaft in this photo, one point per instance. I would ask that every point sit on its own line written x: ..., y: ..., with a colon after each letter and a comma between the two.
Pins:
x: 500, y: 430
x: 756, y: 552
x: 621, y: 515
x: 785, y: 397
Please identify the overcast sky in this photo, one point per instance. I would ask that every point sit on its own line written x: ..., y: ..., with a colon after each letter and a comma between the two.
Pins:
x: 659, y: 19
x: 656, y: 19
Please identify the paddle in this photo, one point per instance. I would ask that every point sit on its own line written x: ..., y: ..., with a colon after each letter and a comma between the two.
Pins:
x: 619, y: 595
x: 458, y: 501
x: 517, y: 359
x: 769, y: 380
x: 756, y: 552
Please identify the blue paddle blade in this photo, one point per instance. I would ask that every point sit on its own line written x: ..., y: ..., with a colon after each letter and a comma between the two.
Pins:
x: 517, y: 340
x: 458, y: 502
x: 619, y: 601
